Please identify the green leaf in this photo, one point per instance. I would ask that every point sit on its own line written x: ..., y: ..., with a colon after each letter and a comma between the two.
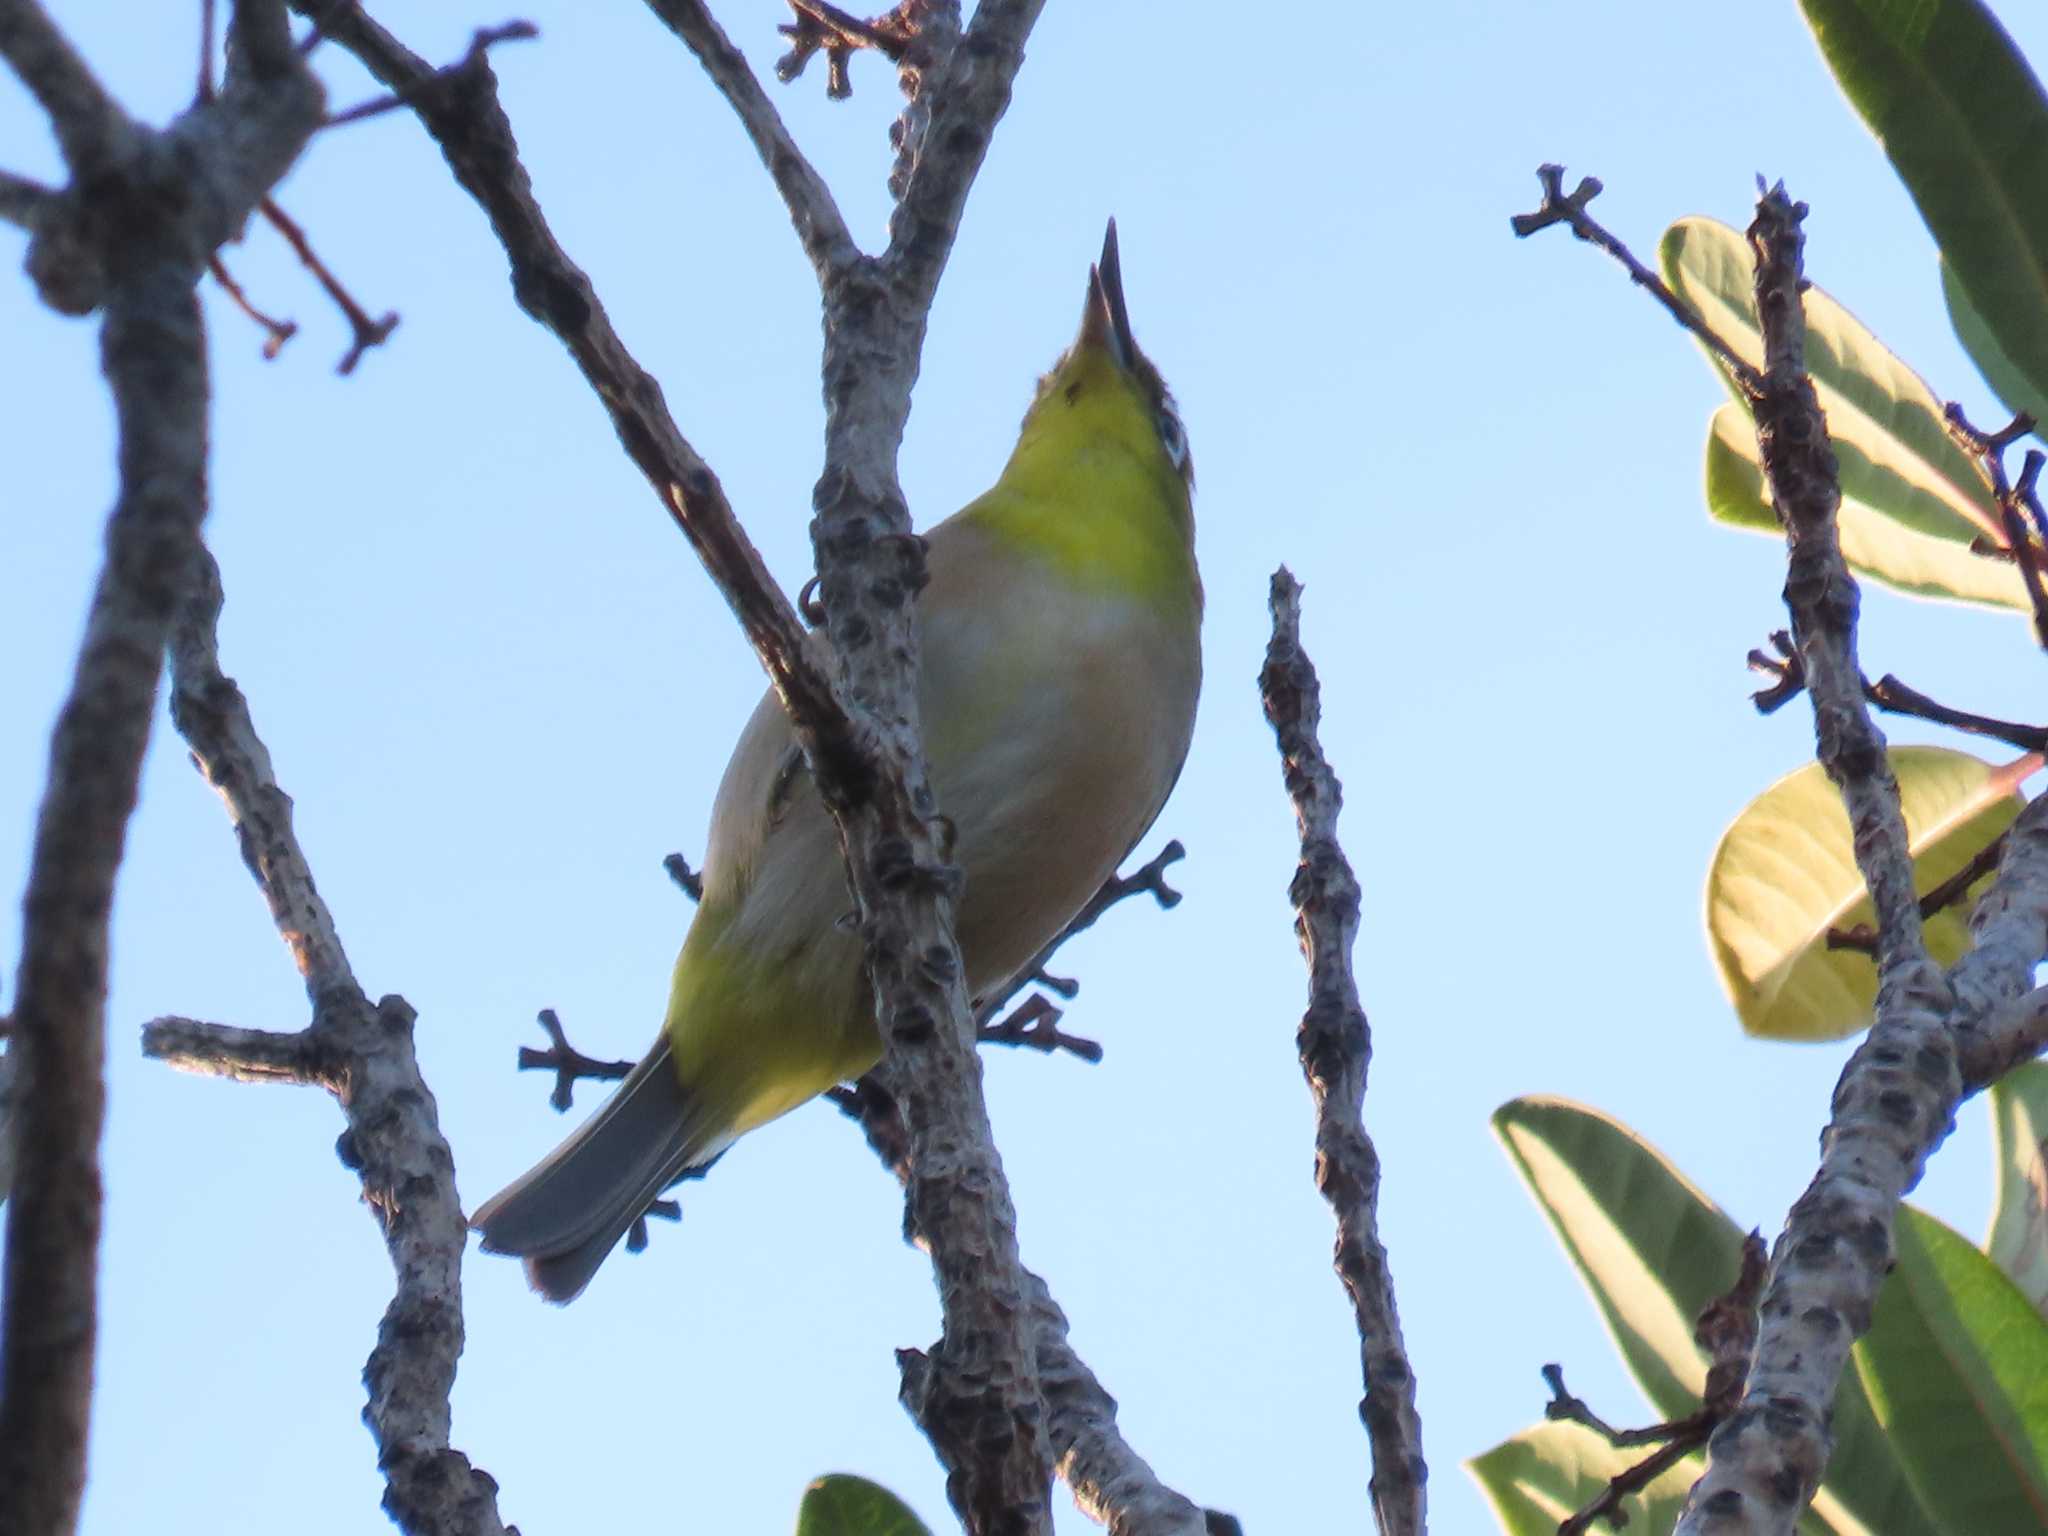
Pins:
x: 1889, y: 434
x: 1875, y: 545
x: 2018, y: 1242
x: 1653, y: 1251
x: 1956, y: 1368
x: 840, y: 1504
x: 1550, y: 1471
x: 1965, y: 125
x: 1785, y: 873
x: 2015, y: 391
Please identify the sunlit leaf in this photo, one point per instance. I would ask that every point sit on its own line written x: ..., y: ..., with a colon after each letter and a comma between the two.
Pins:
x: 2018, y: 1242
x: 1877, y: 546
x: 1653, y: 1251
x: 1956, y: 1370
x: 1963, y: 119
x: 1896, y: 456
x: 1550, y: 1471
x: 1785, y: 873
x: 840, y: 1504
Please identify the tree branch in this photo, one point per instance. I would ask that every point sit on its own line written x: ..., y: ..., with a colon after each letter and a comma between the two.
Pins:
x: 460, y: 109
x: 819, y: 225
x: 133, y: 234
x: 1998, y: 1023
x: 1111, y: 1482
x: 1898, y: 1093
x: 363, y: 1054
x: 92, y: 130
x: 943, y: 145
x: 24, y: 203
x: 1336, y: 1051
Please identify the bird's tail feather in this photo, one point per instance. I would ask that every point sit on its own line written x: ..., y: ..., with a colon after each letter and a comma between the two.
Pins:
x: 568, y: 1212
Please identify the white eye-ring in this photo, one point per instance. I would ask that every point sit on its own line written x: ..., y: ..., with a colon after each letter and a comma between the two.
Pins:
x: 1172, y: 438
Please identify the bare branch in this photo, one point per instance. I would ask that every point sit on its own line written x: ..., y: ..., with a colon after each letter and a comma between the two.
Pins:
x: 1998, y: 1021
x: 460, y: 109
x: 1111, y: 1482
x: 1336, y: 1050
x: 241, y: 1055
x: 24, y: 202
x: 91, y: 247
x: 276, y: 332
x: 154, y: 355
x: 819, y: 225
x: 1898, y: 1093
x: 365, y: 332
x: 961, y: 99
x: 363, y: 1053
x: 1148, y: 878
x: 92, y: 130
x: 480, y: 40
x: 1569, y: 209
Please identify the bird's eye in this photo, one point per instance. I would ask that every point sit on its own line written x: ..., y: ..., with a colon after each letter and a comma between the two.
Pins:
x: 1172, y: 438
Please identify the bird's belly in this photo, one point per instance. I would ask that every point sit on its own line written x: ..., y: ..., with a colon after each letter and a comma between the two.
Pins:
x: 1053, y: 741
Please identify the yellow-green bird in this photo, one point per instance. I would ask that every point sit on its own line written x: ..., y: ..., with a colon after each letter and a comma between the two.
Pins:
x: 1061, y: 639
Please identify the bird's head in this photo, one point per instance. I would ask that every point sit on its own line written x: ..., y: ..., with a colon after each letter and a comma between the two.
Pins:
x: 1104, y: 394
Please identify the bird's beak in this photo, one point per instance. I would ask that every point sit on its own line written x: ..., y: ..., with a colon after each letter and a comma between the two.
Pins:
x: 1105, y: 322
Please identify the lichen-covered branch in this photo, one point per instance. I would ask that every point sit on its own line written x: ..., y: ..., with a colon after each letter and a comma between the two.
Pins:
x: 1998, y: 1022
x: 1336, y: 1051
x: 129, y: 237
x: 1897, y: 1096
x: 362, y: 1053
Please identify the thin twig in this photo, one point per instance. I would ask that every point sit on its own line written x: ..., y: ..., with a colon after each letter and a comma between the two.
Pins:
x: 1335, y: 1042
x: 1148, y: 878
x: 483, y: 39
x: 1863, y: 937
x: 1726, y: 1330
x: 1888, y: 694
x: 1034, y: 1023
x: 688, y: 879
x: 1894, y: 697
x: 24, y: 202
x: 569, y: 1065
x: 1559, y: 207
x: 2017, y: 503
x: 278, y: 331
x: 367, y: 333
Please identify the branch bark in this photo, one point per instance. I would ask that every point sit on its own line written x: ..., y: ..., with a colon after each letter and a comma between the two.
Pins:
x: 130, y: 237
x: 1336, y: 1051
x: 363, y: 1054
x: 1111, y: 1482
x: 1897, y: 1096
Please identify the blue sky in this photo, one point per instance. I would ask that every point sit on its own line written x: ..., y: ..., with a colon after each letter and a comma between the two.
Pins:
x: 499, y: 688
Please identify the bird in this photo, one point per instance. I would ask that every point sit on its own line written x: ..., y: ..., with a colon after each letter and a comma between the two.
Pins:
x: 1061, y: 639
